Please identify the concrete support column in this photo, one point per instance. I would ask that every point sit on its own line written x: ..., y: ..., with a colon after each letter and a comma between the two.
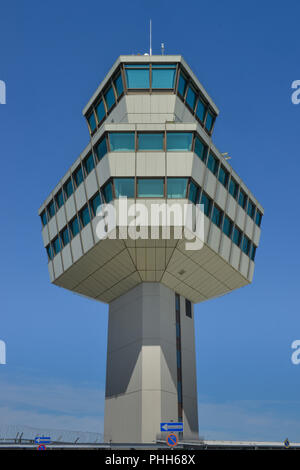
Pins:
x: 142, y: 360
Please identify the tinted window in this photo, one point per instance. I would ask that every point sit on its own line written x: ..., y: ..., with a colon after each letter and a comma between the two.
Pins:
x: 242, y: 199
x: 89, y: 164
x: 150, y: 141
x: 163, y: 76
x: 227, y: 226
x: 68, y: 188
x: 78, y: 176
x: 191, y: 98
x: 56, y: 246
x: 207, y: 204
x: 176, y: 188
x: 109, y: 98
x: 65, y: 236
x: 119, y: 85
x: 246, y: 245
x: 217, y: 216
x: 124, y: 187
x: 233, y: 188
x: 251, y: 209
x: 49, y: 252
x: 237, y: 236
x: 100, y: 110
x: 193, y: 192
x: 258, y: 218
x: 74, y: 227
x: 223, y: 176
x: 101, y: 149
x: 213, y: 164
x: 92, y: 122
x: 59, y: 199
x: 107, y: 192
x: 209, y: 121
x: 179, y: 141
x: 182, y: 85
x: 252, y: 252
x: 137, y: 76
x: 188, y: 308
x: 200, y: 111
x: 150, y: 187
x: 95, y: 203
x: 121, y: 142
x: 44, y: 218
x: 200, y: 149
x: 84, y: 216
x: 51, y: 209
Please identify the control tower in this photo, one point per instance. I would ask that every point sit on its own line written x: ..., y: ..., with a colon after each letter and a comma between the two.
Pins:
x: 151, y: 124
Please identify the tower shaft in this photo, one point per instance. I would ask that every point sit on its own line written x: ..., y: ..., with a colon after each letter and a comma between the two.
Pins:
x: 151, y: 366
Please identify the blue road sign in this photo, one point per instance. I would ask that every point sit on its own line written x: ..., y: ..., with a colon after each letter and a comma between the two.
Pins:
x: 42, y: 440
x: 175, y: 427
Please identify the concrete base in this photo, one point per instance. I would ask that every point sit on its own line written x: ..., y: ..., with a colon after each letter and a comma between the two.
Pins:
x: 141, y: 375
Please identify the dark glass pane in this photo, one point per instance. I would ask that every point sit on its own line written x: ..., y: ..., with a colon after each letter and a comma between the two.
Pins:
x: 179, y: 141
x: 101, y: 149
x: 188, y: 308
x: 209, y: 121
x: 124, y: 187
x: 68, y: 188
x: 242, y: 199
x: 246, y: 245
x: 59, y: 199
x: 78, y: 176
x: 182, y: 85
x: 44, y: 218
x: 258, y: 218
x: 223, y: 176
x: 122, y: 142
x: 163, y: 77
x: 95, y: 203
x: 92, y: 122
x: 74, y: 227
x: 253, y: 252
x: 237, y: 235
x: 107, y: 192
x: 200, y: 149
x: 233, y: 188
x: 89, y: 164
x: 176, y: 188
x: 137, y: 78
x: 119, y: 85
x: 207, y: 204
x: 109, y: 98
x: 217, y: 216
x: 49, y: 252
x: 150, y: 187
x: 100, y: 110
x: 84, y: 216
x: 51, y: 209
x: 191, y: 98
x: 193, y: 192
x: 227, y: 226
x: 200, y: 111
x: 213, y: 164
x: 251, y: 209
x: 65, y: 236
x: 150, y: 141
x: 56, y: 246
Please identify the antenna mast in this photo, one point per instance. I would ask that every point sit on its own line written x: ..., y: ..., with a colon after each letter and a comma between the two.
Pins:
x: 150, y: 52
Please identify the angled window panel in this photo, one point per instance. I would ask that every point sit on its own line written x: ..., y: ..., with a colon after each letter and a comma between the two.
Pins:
x: 44, y: 218
x: 179, y: 141
x: 51, y: 209
x: 253, y: 252
x: 217, y: 216
x: 246, y: 245
x: 92, y: 122
x: 137, y: 76
x: 84, y: 216
x: 213, y: 164
x: 122, y: 141
x: 191, y: 97
x: 209, y: 121
x: 176, y: 188
x: 49, y: 252
x: 237, y: 236
x: 109, y: 98
x: 182, y: 84
x: 201, y: 110
x: 258, y: 218
x: 163, y: 76
x: 207, y: 202
x: 74, y: 227
x: 101, y: 149
x: 124, y: 187
x: 107, y: 191
x: 100, y: 111
x: 242, y: 200
x: 200, y: 149
x: 193, y: 192
x: 68, y: 188
x: 89, y: 164
x: 233, y: 188
x: 56, y: 246
x: 227, y: 226
x: 78, y: 176
x: 118, y: 82
x: 95, y: 203
x: 59, y: 199
x: 223, y: 176
x: 65, y: 236
x: 251, y: 209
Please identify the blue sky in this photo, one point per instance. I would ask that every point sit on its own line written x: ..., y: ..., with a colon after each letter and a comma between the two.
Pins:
x: 52, y: 57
